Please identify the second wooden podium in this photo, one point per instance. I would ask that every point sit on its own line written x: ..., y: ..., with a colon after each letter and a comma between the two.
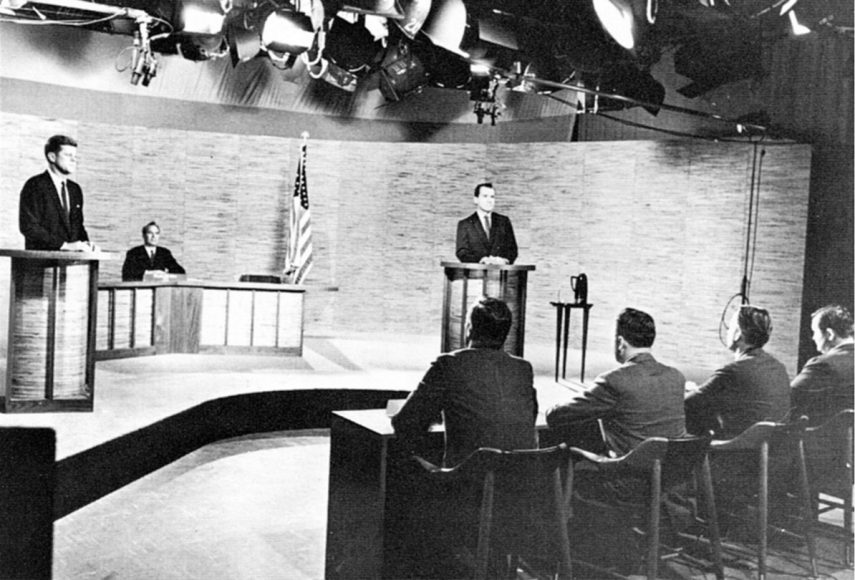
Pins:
x: 466, y: 283
x: 50, y: 364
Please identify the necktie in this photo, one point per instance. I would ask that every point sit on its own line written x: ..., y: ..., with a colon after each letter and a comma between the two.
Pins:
x: 487, y: 224
x: 64, y: 199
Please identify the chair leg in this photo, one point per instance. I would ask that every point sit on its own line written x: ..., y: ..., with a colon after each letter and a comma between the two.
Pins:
x: 712, y: 520
x: 653, y: 528
x: 807, y: 507
x: 566, y: 570
x: 484, y: 526
x: 512, y: 564
x: 763, y: 510
x: 847, y: 524
x: 847, y: 499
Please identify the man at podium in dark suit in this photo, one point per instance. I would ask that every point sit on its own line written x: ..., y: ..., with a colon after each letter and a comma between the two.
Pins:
x: 149, y: 256
x: 486, y: 237
x: 50, y: 214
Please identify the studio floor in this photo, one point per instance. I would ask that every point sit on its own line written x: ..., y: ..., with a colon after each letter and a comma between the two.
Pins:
x: 254, y: 507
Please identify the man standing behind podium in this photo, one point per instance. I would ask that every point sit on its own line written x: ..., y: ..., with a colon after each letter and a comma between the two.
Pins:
x: 486, y: 237
x: 149, y: 256
x: 51, y: 205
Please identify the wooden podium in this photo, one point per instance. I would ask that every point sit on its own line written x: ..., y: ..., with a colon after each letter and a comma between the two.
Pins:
x: 466, y: 283
x: 53, y: 300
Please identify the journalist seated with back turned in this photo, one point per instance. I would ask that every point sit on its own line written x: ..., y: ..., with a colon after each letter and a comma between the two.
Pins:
x: 485, y: 395
x: 487, y: 399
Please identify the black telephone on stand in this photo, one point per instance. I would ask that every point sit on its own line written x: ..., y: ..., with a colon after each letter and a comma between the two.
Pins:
x: 579, y: 284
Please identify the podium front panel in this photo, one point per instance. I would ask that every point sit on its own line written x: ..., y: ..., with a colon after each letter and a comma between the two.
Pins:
x: 465, y: 284
x: 49, y: 335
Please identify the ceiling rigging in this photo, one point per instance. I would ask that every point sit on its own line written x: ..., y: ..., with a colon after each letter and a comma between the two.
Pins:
x: 606, y: 47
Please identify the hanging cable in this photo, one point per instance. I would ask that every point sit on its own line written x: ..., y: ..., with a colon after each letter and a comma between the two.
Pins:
x: 748, y: 258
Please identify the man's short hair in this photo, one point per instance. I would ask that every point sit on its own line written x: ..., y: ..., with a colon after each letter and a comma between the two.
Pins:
x: 836, y: 317
x: 755, y: 324
x: 481, y: 186
x: 636, y: 327
x: 490, y: 321
x: 56, y: 142
x: 148, y: 225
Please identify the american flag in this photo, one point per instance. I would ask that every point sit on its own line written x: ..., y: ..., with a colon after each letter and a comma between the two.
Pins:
x: 299, y: 260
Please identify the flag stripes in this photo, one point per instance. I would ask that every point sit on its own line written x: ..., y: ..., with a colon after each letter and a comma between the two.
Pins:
x: 299, y: 260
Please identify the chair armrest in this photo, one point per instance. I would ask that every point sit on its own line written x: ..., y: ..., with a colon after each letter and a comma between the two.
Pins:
x: 578, y: 453
x: 427, y: 465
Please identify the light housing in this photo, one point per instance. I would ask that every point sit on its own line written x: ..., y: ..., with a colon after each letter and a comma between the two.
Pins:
x: 286, y: 31
x: 197, y: 17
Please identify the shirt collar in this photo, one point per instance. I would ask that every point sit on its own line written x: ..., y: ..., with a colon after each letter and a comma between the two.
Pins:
x: 58, y: 180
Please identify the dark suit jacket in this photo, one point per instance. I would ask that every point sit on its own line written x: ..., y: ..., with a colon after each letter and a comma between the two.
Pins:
x: 487, y: 397
x: 825, y: 385
x: 641, y: 398
x: 472, y: 242
x: 137, y: 262
x: 41, y: 218
x: 752, y: 388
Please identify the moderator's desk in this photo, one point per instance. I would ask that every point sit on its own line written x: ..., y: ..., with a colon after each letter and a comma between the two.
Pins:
x: 190, y: 316
x: 562, y: 320
x: 373, y: 492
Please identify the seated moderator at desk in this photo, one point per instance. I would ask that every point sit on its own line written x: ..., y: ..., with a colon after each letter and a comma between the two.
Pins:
x: 149, y: 256
x: 51, y: 205
x: 486, y: 237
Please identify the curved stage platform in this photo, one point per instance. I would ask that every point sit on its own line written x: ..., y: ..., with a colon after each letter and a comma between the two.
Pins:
x: 154, y: 412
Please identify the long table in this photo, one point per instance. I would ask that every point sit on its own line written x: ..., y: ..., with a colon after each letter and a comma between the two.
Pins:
x: 373, y: 492
x: 193, y: 316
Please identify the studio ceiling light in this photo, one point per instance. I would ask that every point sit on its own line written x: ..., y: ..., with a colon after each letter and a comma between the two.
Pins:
x: 445, y: 26
x: 415, y: 12
x: 286, y: 31
x: 626, y: 21
x: 201, y: 18
x: 617, y: 19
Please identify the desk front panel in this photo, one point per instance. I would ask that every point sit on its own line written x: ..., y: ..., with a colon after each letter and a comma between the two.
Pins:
x: 240, y: 318
x: 375, y: 525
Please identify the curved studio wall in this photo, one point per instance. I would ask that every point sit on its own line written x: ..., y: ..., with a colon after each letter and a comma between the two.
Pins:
x: 655, y: 225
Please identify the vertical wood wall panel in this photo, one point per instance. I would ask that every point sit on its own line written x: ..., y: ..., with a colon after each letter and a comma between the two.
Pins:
x: 656, y: 225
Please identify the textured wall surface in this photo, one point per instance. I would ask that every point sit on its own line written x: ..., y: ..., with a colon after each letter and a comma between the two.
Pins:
x: 659, y: 226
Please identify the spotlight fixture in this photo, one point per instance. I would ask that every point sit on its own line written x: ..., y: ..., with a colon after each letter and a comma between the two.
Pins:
x: 244, y: 43
x: 401, y: 72
x: 286, y: 31
x: 197, y: 17
x: 625, y: 20
x: 385, y: 8
x: 350, y: 45
x: 144, y: 64
x: 445, y: 25
x: 415, y: 12
x: 482, y: 90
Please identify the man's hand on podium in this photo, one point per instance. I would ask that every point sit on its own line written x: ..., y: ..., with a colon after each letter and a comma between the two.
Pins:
x: 498, y: 260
